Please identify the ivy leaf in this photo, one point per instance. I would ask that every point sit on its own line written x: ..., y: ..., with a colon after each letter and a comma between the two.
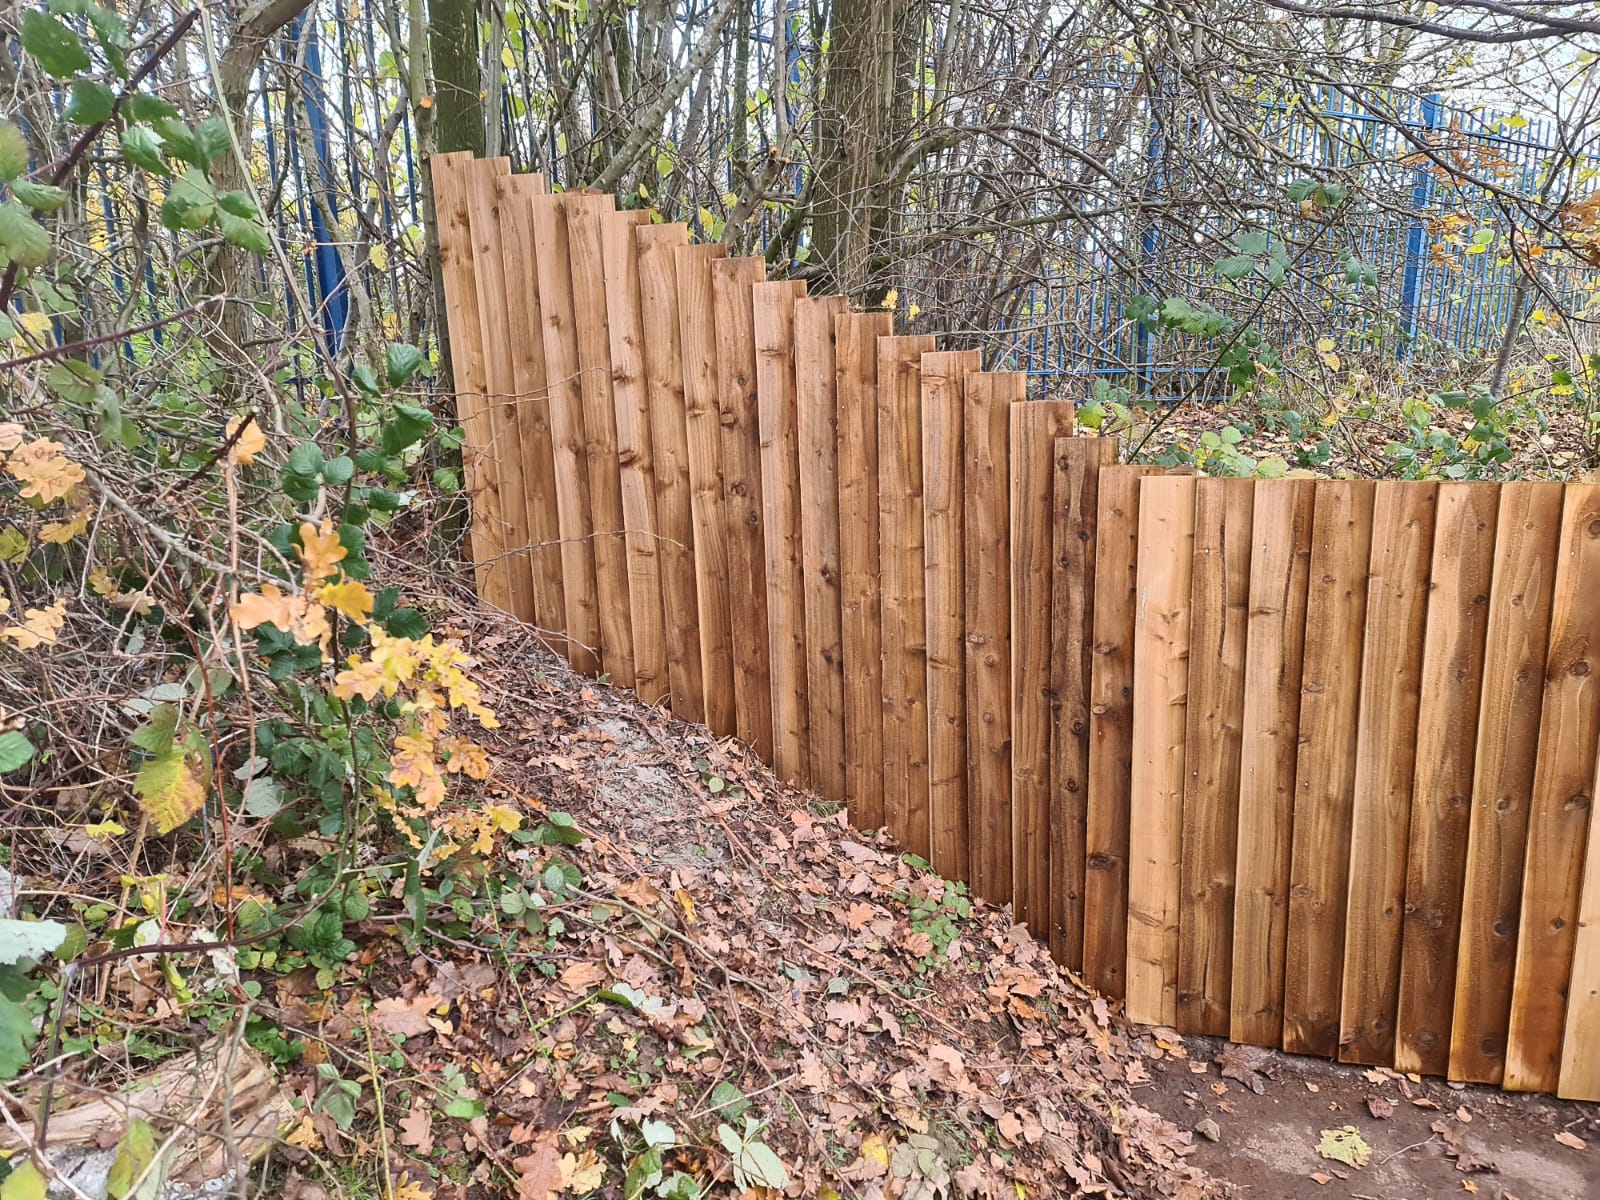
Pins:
x: 89, y: 104
x: 15, y: 751
x: 14, y: 152
x: 22, y: 239
x: 40, y: 196
x: 141, y: 146
x: 58, y: 51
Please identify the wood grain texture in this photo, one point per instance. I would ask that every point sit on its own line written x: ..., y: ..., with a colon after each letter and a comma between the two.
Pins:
x: 1527, y: 538
x: 778, y: 420
x: 635, y: 451
x: 1072, y: 529
x: 504, y: 451
x: 1105, y: 874
x: 697, y: 332
x: 1386, y: 744
x: 1563, y: 796
x: 1219, y: 607
x: 669, y: 441
x: 585, y: 246
x: 1580, y: 1047
x: 1280, y: 567
x: 732, y: 282
x: 816, y: 386
x: 1461, y: 579
x: 1035, y: 426
x: 520, y: 274
x: 568, y: 440
x: 944, y: 377
x: 1160, y: 700
x: 860, y: 595
x: 451, y: 174
x: 986, y: 443
x: 900, y: 566
x: 1325, y: 768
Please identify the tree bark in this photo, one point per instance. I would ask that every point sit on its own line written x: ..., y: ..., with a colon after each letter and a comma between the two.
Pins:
x: 457, y: 78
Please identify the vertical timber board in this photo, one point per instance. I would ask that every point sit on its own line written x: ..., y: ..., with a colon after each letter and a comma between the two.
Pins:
x: 1441, y: 802
x: 1563, y: 795
x: 944, y: 377
x: 1580, y: 1047
x: 777, y: 418
x: 515, y: 193
x: 860, y: 590
x: 1105, y: 864
x: 697, y: 333
x: 986, y: 451
x: 635, y: 456
x: 1527, y: 537
x: 1213, y: 744
x: 568, y: 441
x: 585, y: 215
x: 1072, y: 525
x: 733, y: 281
x: 816, y: 367
x: 669, y: 443
x: 1035, y: 426
x: 1386, y: 745
x: 500, y: 399
x: 900, y: 567
x: 1325, y: 768
x: 451, y: 173
x: 1280, y: 565
x: 1160, y: 691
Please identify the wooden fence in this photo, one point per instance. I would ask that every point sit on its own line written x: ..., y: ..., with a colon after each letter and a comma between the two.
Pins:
x: 1302, y: 763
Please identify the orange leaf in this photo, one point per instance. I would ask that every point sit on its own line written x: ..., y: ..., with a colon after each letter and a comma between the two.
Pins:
x: 320, y: 550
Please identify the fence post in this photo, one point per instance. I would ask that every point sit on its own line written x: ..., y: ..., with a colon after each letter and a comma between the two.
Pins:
x: 1416, y: 239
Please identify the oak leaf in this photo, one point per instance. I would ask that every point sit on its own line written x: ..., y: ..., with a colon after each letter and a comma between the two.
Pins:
x: 320, y: 550
x: 252, y: 440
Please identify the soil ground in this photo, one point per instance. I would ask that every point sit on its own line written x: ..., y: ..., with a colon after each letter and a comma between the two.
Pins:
x: 1436, y: 1139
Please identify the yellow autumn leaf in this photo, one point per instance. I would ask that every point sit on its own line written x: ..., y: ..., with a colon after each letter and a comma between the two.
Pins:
x: 251, y: 442
x: 62, y: 532
x: 100, y: 581
x: 10, y: 436
x: 40, y: 627
x: 103, y: 830
x: 349, y: 597
x: 582, y: 1173
x: 890, y: 299
x: 35, y: 323
x: 319, y: 550
x: 43, y: 471
x: 295, y: 615
x: 171, y: 788
x: 875, y: 1148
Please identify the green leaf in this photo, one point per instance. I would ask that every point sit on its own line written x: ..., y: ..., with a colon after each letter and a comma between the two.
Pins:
x: 465, y: 1109
x: 305, y: 459
x: 338, y: 471
x: 29, y: 939
x: 15, y: 750
x: 728, y: 1101
x: 22, y: 239
x: 42, y: 197
x: 1251, y: 243
x: 407, y: 623
x: 1345, y: 1145
x: 365, y: 378
x: 14, y: 152
x: 240, y: 204
x: 142, y: 106
x: 141, y: 146
x: 190, y: 204
x: 156, y: 734
x: 89, y: 104
x: 211, y: 140
x: 1235, y: 266
x: 407, y: 427
x: 245, y: 232
x: 402, y: 362
x: 58, y: 51
x: 135, y: 1152
x: 25, y: 1182
x: 74, y: 381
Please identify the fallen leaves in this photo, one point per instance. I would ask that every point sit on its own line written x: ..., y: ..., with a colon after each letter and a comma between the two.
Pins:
x: 1572, y: 1140
x: 1345, y: 1145
x: 1246, y: 1064
x: 408, y: 1018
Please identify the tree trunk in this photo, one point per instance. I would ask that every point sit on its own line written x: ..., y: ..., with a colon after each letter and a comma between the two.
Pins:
x: 855, y: 202
x: 457, y: 79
